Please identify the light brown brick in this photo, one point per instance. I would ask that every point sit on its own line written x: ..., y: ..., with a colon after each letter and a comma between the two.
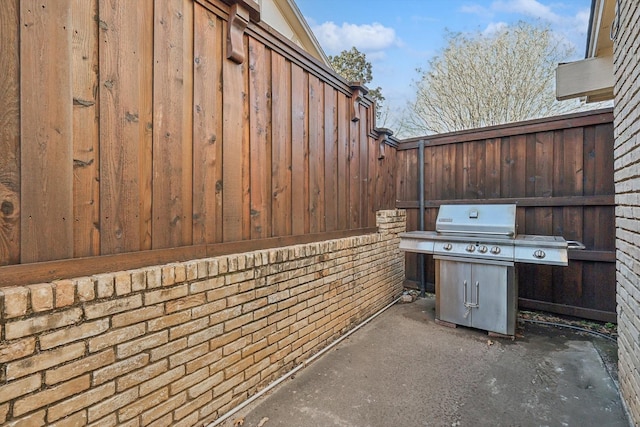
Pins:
x: 77, y: 419
x: 32, y: 420
x: 188, y: 328
x: 86, y: 289
x: 112, y: 404
x: 236, y: 345
x: 161, y: 380
x: 119, y: 368
x: 163, y: 421
x: 207, y: 309
x: 75, y: 333
x: 204, y: 335
x: 204, y: 360
x: 184, y: 303
x: 166, y: 408
x: 19, y: 388
x: 138, y: 280
x: 142, y: 404
x: 206, y: 385
x: 41, y: 297
x: 252, y: 348
x: 79, y: 367
x: 4, y: 411
x: 17, y: 349
x: 141, y: 344
x: 169, y: 320
x: 238, y: 321
x: 15, y: 301
x: 225, y: 314
x: 154, y: 297
x: 81, y: 401
x: 107, y: 308
x: 238, y: 367
x: 189, y: 380
x: 228, y: 384
x: 64, y: 293
x: 180, y: 272
x: 139, y: 376
x: 154, y: 277
x: 168, y: 275
x: 206, y: 285
x: 35, y: 325
x: 50, y: 395
x: 122, y: 282
x: 191, y: 408
x: 188, y: 355
x: 44, y: 360
x: 222, y: 340
x: 116, y: 336
x: 168, y: 349
x: 136, y: 316
x: 104, y: 285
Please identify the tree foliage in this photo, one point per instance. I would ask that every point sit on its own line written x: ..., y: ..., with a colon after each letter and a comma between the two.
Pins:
x: 354, y: 67
x: 482, y: 80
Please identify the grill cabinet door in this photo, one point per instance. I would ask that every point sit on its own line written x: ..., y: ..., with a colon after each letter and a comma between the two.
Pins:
x: 453, y: 276
x: 488, y: 290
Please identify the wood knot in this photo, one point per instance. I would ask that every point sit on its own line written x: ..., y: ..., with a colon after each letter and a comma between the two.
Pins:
x: 6, y: 208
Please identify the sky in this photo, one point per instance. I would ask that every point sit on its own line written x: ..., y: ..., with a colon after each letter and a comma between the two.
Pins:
x: 399, y: 36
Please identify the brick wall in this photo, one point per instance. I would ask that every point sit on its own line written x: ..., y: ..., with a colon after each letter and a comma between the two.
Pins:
x: 627, y: 181
x: 183, y: 343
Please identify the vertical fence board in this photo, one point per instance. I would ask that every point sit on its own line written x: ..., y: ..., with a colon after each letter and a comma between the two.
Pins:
x: 316, y: 155
x: 281, y: 147
x: 46, y: 131
x: 364, y: 167
x: 232, y: 131
x: 343, y: 112
x: 125, y: 115
x: 492, y: 168
x: 207, y: 128
x: 354, y: 174
x: 299, y: 151
x: 330, y: 159
x: 173, y: 123
x: 260, y: 139
x: 10, y: 132
x: 86, y: 148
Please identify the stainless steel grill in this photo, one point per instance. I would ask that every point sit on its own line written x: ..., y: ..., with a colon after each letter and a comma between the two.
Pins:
x: 476, y: 249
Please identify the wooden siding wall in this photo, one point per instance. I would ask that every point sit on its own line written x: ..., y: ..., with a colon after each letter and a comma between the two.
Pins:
x: 559, y: 171
x: 125, y: 128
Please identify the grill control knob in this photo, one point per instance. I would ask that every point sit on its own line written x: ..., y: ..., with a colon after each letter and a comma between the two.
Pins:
x: 495, y: 250
x: 470, y: 248
x: 483, y: 249
x: 539, y: 254
x: 447, y: 246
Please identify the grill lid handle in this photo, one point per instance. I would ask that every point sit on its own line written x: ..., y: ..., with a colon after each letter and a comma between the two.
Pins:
x: 491, y: 233
x: 575, y: 245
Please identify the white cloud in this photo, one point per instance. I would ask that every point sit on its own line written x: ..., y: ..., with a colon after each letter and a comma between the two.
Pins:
x: 366, y: 37
x: 475, y: 9
x: 531, y: 8
x: 495, y: 27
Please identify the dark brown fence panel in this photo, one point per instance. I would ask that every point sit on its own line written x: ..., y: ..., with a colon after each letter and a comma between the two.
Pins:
x: 126, y: 129
x: 9, y: 133
x: 559, y: 171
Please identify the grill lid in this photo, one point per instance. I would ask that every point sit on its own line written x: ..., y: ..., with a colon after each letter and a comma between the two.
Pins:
x: 477, y: 220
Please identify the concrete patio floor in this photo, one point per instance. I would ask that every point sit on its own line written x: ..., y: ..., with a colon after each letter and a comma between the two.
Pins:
x: 402, y: 369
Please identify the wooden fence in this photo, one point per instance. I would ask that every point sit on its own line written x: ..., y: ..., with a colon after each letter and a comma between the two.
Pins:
x: 131, y: 128
x: 559, y: 171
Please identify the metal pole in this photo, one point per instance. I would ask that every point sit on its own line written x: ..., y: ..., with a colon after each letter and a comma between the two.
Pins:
x: 421, y: 212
